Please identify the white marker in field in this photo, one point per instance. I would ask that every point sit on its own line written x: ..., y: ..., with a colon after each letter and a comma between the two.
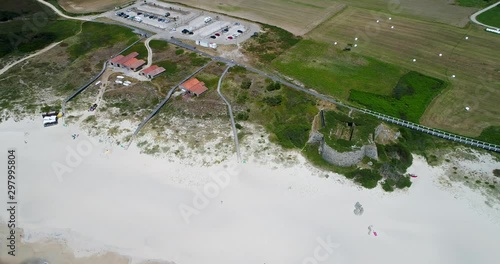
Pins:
x: 466, y: 37
x: 355, y: 45
x: 467, y: 108
x: 414, y: 60
x: 392, y: 27
x: 335, y: 43
x: 453, y: 76
x: 378, y: 20
x: 440, y: 54
x: 390, y: 18
x: 355, y: 39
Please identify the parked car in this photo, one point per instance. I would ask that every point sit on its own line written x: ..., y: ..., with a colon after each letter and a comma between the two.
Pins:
x: 93, y: 107
x: 191, y: 32
x: 139, y: 13
x: 185, y: 31
x: 225, y: 30
x: 240, y: 31
x: 230, y: 37
x: 217, y: 34
x: 213, y: 37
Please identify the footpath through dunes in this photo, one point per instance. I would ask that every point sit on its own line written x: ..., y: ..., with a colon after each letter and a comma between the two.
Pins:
x: 469, y: 54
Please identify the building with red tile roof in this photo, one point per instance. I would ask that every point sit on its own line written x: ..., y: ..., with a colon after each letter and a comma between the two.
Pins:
x: 194, y: 86
x: 152, y: 71
x: 128, y: 61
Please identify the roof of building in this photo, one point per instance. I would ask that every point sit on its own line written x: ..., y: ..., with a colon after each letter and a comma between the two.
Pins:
x: 149, y: 69
x: 195, y: 86
x: 156, y: 71
x: 134, y: 63
x: 125, y: 59
x: 117, y: 58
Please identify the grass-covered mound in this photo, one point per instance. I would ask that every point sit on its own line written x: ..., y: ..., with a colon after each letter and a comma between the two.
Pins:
x: 408, y: 100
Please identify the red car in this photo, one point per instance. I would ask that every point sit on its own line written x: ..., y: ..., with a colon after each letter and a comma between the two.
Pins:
x: 217, y: 34
x: 230, y: 37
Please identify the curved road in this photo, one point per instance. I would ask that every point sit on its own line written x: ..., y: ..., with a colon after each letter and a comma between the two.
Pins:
x: 473, y: 18
x: 233, y: 125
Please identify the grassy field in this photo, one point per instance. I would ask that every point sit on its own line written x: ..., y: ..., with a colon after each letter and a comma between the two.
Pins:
x: 25, y: 34
x: 474, y: 62
x: 329, y: 70
x: 476, y: 3
x: 409, y: 98
x: 296, y: 16
x: 89, y: 6
x: 491, y: 17
x: 95, y: 36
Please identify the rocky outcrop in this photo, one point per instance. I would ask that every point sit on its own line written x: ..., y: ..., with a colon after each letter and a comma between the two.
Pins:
x: 342, y: 159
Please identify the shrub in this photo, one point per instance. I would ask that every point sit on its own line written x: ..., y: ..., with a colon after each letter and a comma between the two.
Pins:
x: 238, y: 126
x: 246, y: 84
x: 273, y: 86
x: 273, y: 100
x: 367, y: 178
x: 179, y: 51
x: 243, y: 116
x: 496, y: 172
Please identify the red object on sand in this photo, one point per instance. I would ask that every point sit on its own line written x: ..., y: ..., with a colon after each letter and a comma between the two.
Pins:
x: 413, y: 176
x: 375, y: 233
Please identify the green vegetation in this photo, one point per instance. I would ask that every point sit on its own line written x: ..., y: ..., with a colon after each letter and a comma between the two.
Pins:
x: 331, y: 71
x: 179, y: 51
x: 140, y: 48
x: 343, y: 132
x: 289, y: 122
x: 34, y: 28
x: 270, y: 44
x: 96, y: 35
x: 496, y: 172
x: 491, y: 17
x: 475, y: 3
x: 409, y: 98
x: 367, y: 178
x: 273, y: 100
x: 273, y: 86
x: 158, y: 45
x: 491, y: 135
x: 245, y: 84
x: 170, y: 66
x: 198, y: 60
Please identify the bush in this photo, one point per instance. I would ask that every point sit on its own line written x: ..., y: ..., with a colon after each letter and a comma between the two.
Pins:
x: 496, y: 172
x: 243, y: 116
x: 273, y: 86
x: 367, y: 178
x: 273, y: 100
x: 179, y: 51
x: 238, y: 126
x: 387, y: 185
x: 246, y: 84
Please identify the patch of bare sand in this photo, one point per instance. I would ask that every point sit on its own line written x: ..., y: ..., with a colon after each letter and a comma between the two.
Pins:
x: 88, y: 6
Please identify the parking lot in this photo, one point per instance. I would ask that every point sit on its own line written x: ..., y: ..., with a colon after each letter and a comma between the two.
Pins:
x: 184, y: 23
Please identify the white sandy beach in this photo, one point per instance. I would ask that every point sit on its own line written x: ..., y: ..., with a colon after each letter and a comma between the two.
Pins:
x: 121, y: 201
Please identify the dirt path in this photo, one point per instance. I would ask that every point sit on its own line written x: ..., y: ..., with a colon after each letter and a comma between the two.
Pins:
x: 473, y: 18
x: 7, y: 67
x: 150, y: 51
x: 57, y: 11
